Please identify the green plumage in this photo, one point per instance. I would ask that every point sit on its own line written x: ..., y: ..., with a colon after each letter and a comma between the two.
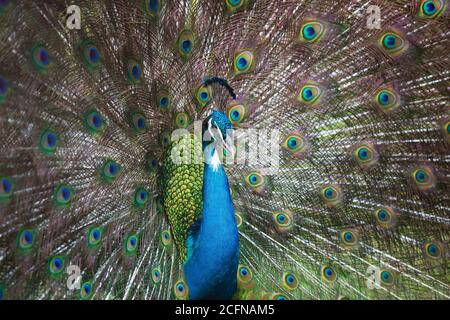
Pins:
x: 182, y: 187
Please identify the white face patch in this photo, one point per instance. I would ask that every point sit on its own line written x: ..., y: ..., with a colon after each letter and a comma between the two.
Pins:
x: 215, y: 161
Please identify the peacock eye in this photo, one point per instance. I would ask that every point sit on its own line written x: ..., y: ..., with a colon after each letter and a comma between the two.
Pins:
x: 138, y: 122
x: 134, y: 71
x: 311, y: 32
x: 48, y: 141
x: 4, y: 89
x: 387, y: 100
x: 165, y: 139
x: 63, y: 195
x: 385, y: 217
x: 203, y: 96
x: 56, y: 265
x: 140, y: 197
x: 151, y: 163
x: 91, y: 55
x: 110, y: 170
x: 181, y: 290
x: 328, y: 274
x: 152, y: 7
x: 94, y: 237
x: 283, y: 221
x: 423, y: 178
x: 434, y: 250
x: 244, y: 276
x: 163, y: 99
x: 431, y: 9
x: 244, y: 62
x: 41, y: 58
x: 332, y: 195
x: 237, y: 113
x: 278, y: 296
x: 93, y: 121
x: 185, y: 43
x: 290, y: 281
x: 365, y: 155
x: 295, y: 144
x: 254, y: 180
x: 6, y: 188
x: 393, y: 43
x: 86, y: 290
x: 239, y: 220
x: 26, y: 239
x: 309, y: 94
x: 131, y: 244
x: 182, y: 120
x: 166, y: 238
x: 156, y: 275
x: 349, y: 238
x: 234, y: 5
x: 387, y: 277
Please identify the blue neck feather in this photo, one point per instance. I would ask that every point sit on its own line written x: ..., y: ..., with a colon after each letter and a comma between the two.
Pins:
x: 211, y: 268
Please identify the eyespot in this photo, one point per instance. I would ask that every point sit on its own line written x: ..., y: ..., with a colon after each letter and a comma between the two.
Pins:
x: 387, y: 100
x: 203, y: 96
x: 151, y: 163
x: 328, y: 274
x: 163, y: 99
x: 94, y: 237
x: 235, y: 5
x: 434, y: 250
x: 166, y: 237
x: 91, y: 55
x: 385, y: 217
x: 2, y: 287
x: 110, y: 170
x: 244, y: 277
x: 56, y: 266
x: 152, y: 7
x: 446, y: 130
x: 156, y: 275
x: 244, y: 62
x: 290, y: 281
x: 6, y: 188
x: 393, y: 43
x: 86, y: 291
x: 431, y: 9
x: 138, y: 122
x: 278, y: 296
x: 387, y: 277
x: 295, y: 144
x: 254, y: 180
x: 239, y: 220
x: 181, y: 290
x: 309, y: 94
x: 349, y: 238
x: 237, y: 113
x: 423, y: 178
x: 93, y: 121
x: 26, y: 239
x: 4, y: 89
x: 283, y: 220
x: 332, y: 195
x: 365, y: 155
x: 48, y: 141
x: 311, y: 32
x: 131, y: 244
x: 41, y: 58
x: 182, y: 120
x: 134, y: 72
x: 165, y: 139
x: 185, y: 43
x: 140, y: 197
x: 63, y: 195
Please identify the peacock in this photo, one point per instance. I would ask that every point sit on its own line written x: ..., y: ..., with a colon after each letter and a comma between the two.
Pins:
x: 224, y: 149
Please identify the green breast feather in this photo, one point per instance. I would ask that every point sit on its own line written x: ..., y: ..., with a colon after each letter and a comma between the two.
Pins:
x: 182, y: 187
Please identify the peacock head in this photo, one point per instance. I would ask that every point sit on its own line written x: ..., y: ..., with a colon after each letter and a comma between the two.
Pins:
x: 216, y: 128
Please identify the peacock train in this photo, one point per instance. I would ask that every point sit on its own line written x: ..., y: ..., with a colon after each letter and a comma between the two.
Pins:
x: 224, y: 149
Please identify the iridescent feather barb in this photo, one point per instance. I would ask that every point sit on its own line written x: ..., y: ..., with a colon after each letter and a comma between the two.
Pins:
x: 358, y: 208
